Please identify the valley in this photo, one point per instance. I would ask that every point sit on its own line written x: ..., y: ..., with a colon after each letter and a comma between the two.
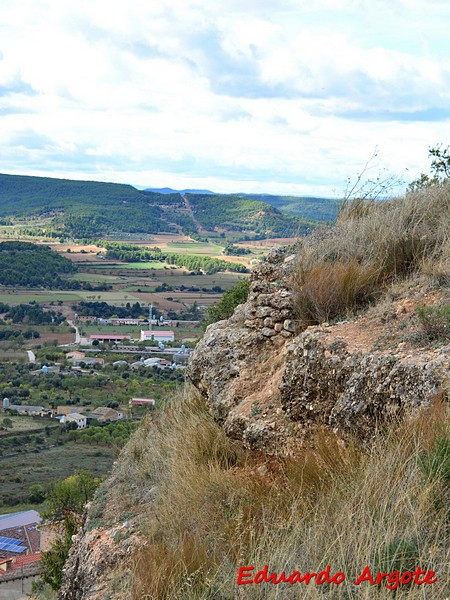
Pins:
x: 69, y: 280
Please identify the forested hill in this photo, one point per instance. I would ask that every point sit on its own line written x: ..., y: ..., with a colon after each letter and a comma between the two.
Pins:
x: 87, y: 209
x: 31, y: 265
x: 308, y: 207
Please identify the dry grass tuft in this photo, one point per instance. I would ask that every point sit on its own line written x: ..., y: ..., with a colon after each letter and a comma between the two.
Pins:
x: 328, y: 289
x: 343, y: 506
x: 371, y: 245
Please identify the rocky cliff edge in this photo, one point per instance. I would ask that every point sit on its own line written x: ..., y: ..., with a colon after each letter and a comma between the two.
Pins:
x: 271, y: 385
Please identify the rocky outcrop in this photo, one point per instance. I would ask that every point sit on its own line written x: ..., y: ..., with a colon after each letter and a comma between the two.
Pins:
x: 237, y: 364
x: 270, y: 384
x: 103, y: 553
x: 87, y: 569
x: 91, y: 572
x: 352, y: 393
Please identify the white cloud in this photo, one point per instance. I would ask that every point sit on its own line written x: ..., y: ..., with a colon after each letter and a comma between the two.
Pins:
x: 287, y: 96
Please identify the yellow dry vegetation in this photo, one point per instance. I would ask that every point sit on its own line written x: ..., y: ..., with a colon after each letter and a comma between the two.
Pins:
x: 220, y: 507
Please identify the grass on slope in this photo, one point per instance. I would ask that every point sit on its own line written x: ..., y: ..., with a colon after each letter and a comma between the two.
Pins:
x: 221, y: 508
x: 371, y: 245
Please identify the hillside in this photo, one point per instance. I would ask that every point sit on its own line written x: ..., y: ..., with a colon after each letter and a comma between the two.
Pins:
x: 307, y: 207
x: 167, y: 190
x: 313, y: 437
x: 87, y: 209
x: 30, y: 265
x: 233, y: 213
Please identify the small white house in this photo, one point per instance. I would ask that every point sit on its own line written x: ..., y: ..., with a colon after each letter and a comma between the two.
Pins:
x: 157, y: 336
x: 80, y: 420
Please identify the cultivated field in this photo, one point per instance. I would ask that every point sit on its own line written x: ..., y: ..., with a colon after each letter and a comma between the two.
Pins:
x: 136, y: 282
x: 23, y: 423
x: 19, y: 473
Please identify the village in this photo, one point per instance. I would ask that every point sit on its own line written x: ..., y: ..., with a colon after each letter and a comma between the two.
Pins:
x: 102, y: 349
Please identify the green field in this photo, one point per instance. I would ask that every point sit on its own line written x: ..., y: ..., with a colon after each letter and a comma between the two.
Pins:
x: 135, y: 282
x: 136, y: 265
x: 112, y: 297
x: 12, y: 356
x: 197, y: 248
x: 224, y: 280
x: 121, y: 329
x: 25, y: 424
x: 13, y: 298
x: 96, y: 278
x: 19, y: 473
x: 135, y: 332
x: 141, y: 288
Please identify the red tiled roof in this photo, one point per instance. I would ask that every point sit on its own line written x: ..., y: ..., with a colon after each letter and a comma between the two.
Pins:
x: 26, y: 560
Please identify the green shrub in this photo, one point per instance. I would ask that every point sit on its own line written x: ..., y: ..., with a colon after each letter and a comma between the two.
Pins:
x: 226, y: 305
x: 435, y: 321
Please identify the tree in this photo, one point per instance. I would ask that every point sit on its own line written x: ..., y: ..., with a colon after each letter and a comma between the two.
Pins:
x: 66, y: 501
x: 226, y: 305
x: 71, y: 494
x: 36, y: 494
x: 53, y: 560
x: 7, y: 423
x: 440, y: 169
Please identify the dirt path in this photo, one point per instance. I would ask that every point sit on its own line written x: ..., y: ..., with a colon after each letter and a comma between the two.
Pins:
x: 77, y: 332
x: 189, y: 209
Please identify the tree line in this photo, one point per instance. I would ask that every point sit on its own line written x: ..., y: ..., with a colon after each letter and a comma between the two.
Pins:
x: 31, y: 313
x: 131, y: 253
x: 32, y: 265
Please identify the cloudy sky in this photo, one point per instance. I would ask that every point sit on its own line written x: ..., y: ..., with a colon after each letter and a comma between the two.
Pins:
x: 277, y: 96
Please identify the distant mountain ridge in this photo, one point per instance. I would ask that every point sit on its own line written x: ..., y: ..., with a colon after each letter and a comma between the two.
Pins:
x: 168, y: 190
x: 92, y: 209
x: 314, y: 208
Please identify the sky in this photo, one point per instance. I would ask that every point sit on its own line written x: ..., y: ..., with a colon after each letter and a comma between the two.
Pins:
x: 279, y: 96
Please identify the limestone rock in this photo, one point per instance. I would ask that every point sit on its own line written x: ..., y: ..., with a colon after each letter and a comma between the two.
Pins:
x: 352, y: 393
x: 289, y: 325
x: 308, y: 381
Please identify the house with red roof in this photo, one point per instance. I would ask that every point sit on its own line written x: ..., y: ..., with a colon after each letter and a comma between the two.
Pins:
x: 108, y: 337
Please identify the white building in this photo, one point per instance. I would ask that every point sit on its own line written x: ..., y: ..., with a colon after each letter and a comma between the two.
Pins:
x: 23, y: 409
x: 80, y: 420
x: 142, y: 402
x: 157, y: 336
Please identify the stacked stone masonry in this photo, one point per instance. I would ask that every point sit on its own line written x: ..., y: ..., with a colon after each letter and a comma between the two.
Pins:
x: 271, y: 385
